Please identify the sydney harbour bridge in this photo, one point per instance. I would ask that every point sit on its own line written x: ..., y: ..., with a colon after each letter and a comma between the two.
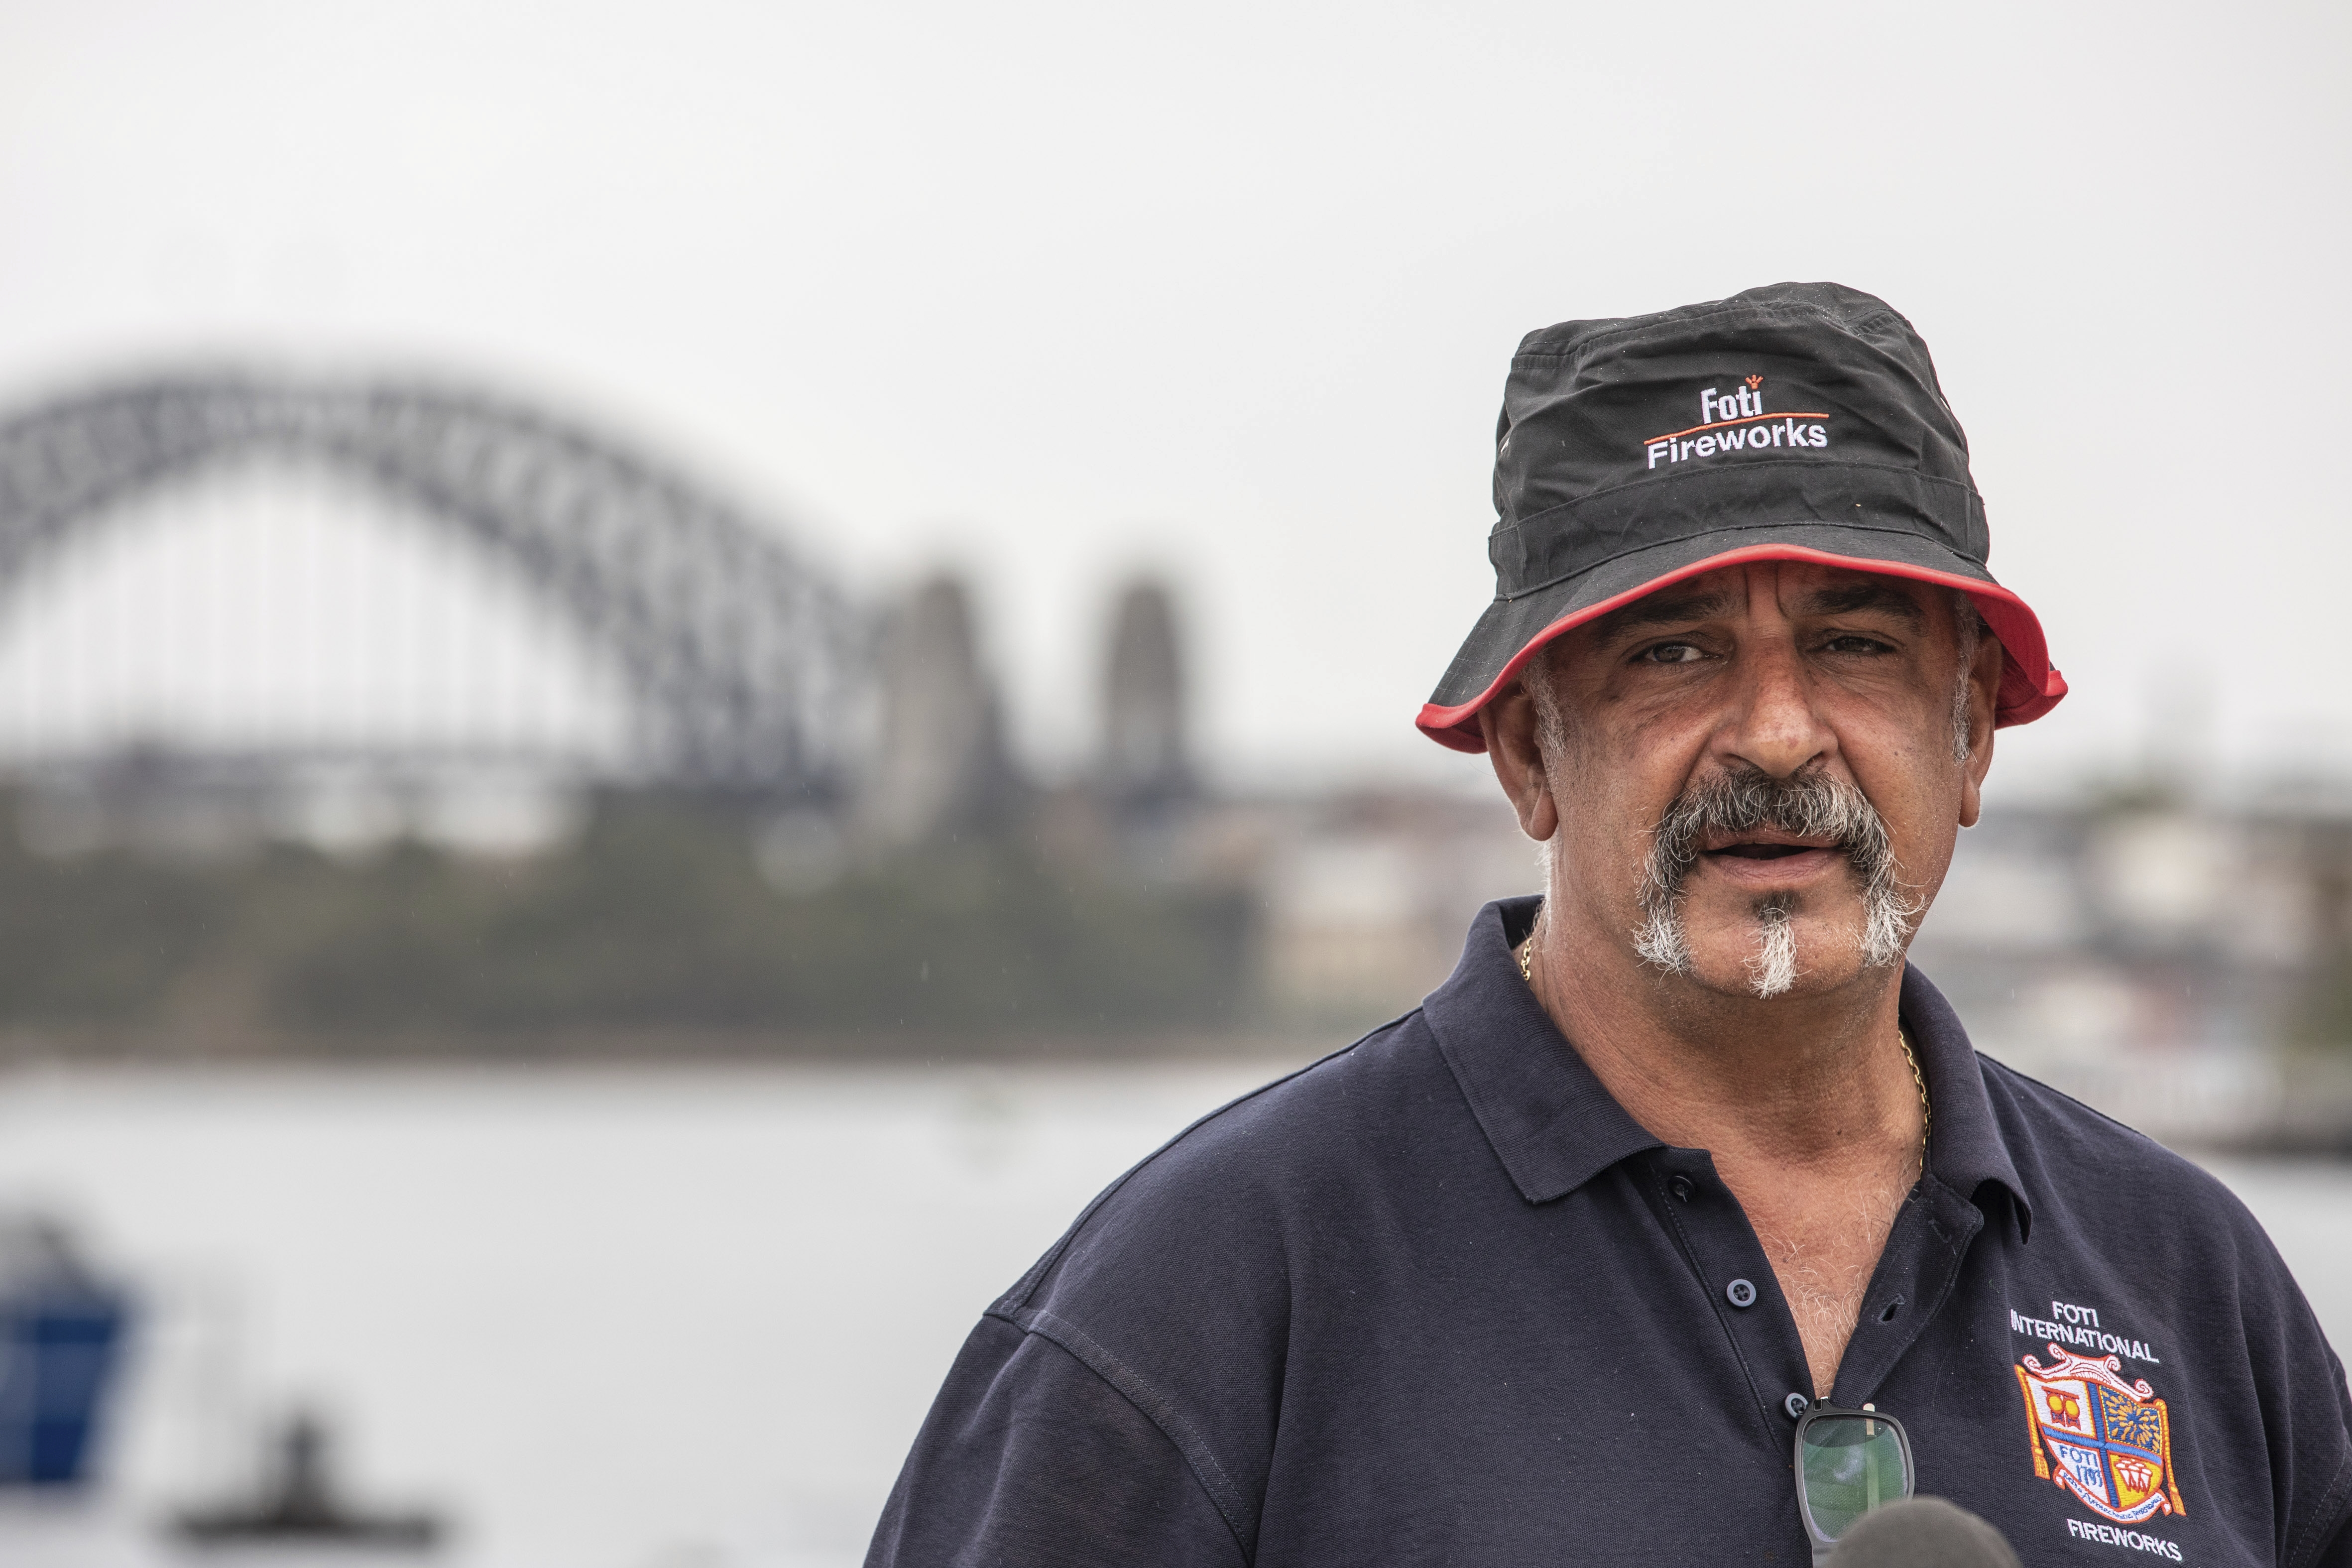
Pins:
x: 743, y: 666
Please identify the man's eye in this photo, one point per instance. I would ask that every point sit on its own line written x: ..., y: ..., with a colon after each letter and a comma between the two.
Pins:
x: 1855, y: 642
x: 1671, y: 653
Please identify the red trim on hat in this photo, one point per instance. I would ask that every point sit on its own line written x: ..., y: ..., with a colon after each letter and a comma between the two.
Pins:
x: 2028, y: 685
x: 1727, y: 424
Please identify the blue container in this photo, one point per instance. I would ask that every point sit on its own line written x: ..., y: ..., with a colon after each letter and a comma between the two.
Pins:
x: 61, y: 1336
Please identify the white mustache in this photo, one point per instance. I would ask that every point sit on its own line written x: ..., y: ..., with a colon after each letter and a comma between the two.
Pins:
x: 1807, y: 807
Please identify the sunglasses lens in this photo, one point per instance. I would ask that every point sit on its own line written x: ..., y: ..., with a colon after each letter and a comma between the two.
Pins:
x: 1851, y: 1465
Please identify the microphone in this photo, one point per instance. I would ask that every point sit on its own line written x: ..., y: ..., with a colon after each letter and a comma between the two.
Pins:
x: 1922, y: 1532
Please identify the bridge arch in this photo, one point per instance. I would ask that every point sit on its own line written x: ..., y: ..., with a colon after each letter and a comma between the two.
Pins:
x: 742, y: 661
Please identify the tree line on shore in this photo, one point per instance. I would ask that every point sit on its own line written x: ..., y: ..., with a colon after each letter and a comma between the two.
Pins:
x: 653, y: 921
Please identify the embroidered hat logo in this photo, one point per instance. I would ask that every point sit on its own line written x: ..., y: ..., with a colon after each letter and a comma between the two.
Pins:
x: 1734, y: 422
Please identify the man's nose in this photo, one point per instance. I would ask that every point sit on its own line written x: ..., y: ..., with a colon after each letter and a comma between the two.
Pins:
x: 1777, y: 728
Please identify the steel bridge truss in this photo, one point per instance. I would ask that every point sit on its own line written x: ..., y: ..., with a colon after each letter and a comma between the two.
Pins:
x: 744, y: 663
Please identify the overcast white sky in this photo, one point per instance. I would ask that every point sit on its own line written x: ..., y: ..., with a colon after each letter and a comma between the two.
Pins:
x: 1053, y: 292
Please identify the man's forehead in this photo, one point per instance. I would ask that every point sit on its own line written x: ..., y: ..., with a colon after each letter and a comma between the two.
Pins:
x: 1804, y: 588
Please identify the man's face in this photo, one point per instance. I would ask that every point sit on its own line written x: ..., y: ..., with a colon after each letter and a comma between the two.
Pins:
x: 1798, y: 723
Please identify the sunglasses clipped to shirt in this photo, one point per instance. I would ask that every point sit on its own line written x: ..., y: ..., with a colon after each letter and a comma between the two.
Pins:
x: 1848, y: 1463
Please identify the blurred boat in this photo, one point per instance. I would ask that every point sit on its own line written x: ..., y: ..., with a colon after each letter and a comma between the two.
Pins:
x: 61, y: 1335
x: 302, y: 1506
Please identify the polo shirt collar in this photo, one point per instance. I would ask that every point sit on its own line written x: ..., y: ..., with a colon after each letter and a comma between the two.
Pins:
x: 1965, y: 1149
x: 1551, y: 1122
x: 1555, y: 1127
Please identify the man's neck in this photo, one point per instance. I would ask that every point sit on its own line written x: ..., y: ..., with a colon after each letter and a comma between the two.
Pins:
x: 1807, y: 1103
x: 1802, y: 1078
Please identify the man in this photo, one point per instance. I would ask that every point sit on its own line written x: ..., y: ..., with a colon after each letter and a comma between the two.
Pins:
x: 1553, y: 1270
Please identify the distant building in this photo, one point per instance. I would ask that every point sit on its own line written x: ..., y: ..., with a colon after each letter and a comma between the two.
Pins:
x: 2090, y: 927
x: 1144, y: 761
x: 941, y: 764
x: 2153, y: 955
x: 1366, y: 896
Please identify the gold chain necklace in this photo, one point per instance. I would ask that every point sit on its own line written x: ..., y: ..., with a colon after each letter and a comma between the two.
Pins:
x: 1926, y: 1110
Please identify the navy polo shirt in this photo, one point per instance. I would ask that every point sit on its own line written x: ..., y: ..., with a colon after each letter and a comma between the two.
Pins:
x: 1438, y: 1298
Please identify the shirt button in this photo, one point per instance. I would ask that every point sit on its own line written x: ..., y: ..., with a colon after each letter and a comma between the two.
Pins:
x: 1796, y: 1404
x: 1740, y: 1293
x: 1680, y: 1186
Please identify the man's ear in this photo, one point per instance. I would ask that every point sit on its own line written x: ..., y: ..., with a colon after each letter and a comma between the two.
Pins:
x: 1508, y: 724
x: 1984, y: 682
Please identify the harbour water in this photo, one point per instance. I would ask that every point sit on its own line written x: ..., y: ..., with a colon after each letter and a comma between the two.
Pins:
x: 611, y: 1318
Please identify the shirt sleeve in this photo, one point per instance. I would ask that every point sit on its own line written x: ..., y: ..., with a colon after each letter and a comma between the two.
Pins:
x: 1029, y: 1459
x: 2336, y: 1553
x: 2330, y: 1512
x: 2315, y: 1508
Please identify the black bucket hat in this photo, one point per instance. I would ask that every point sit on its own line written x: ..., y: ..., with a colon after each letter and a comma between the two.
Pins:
x: 1798, y: 422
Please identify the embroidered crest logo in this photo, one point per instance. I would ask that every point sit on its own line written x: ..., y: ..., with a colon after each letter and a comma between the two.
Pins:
x: 2108, y: 1442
